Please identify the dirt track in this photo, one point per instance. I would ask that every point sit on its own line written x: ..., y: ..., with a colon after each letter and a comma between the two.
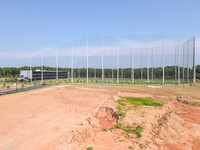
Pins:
x: 64, y: 117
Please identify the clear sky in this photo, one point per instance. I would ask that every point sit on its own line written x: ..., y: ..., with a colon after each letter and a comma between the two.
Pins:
x: 32, y: 25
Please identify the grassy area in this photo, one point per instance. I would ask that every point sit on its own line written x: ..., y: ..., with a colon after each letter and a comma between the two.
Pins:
x: 126, y: 104
x: 138, y: 101
x: 130, y: 129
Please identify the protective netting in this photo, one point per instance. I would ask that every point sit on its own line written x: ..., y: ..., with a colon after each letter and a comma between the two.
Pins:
x: 120, y: 60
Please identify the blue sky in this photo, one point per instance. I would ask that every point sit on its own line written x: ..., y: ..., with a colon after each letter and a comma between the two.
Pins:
x: 33, y: 25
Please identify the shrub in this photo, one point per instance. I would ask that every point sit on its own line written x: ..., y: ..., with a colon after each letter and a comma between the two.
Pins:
x: 22, y: 85
x: 8, y: 86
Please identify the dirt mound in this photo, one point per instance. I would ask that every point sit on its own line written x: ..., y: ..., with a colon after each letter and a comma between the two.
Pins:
x: 172, y: 132
x: 189, y: 100
x: 105, y: 117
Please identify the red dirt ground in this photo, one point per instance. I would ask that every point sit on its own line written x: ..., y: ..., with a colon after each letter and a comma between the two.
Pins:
x: 71, y: 117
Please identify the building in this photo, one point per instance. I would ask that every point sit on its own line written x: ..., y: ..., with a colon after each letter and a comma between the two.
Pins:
x: 37, y: 75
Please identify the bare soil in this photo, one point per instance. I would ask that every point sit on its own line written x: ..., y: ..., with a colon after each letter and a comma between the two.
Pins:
x: 75, y: 117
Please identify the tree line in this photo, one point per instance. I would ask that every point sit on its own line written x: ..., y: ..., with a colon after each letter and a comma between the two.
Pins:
x: 12, y: 72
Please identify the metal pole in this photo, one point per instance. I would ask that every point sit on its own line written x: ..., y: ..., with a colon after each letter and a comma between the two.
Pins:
x: 121, y: 66
x: 31, y: 73
x: 117, y: 60
x: 87, y: 59
x: 42, y: 67
x: 188, y: 47
x: 183, y: 63
x: 163, y: 60
x: 152, y: 65
x: 56, y: 65
x: 132, y: 65
x: 141, y: 64
x: 175, y: 66
x: 102, y: 60
x: 72, y: 62
x: 178, y: 61
x: 112, y: 64
x: 194, y: 61
x: 147, y: 61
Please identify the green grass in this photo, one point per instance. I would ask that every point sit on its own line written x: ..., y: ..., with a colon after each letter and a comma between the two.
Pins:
x: 118, y: 126
x: 138, y: 101
x: 130, y: 130
x: 121, y: 102
x: 89, y: 148
x: 105, y: 129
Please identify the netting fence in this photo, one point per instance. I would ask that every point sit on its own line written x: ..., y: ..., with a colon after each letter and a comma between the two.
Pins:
x: 120, y: 60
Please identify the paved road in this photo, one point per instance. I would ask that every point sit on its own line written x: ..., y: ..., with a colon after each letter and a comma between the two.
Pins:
x: 9, y: 91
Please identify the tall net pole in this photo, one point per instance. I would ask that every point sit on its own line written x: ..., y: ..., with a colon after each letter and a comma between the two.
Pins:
x: 87, y: 60
x: 31, y: 73
x: 117, y: 60
x: 102, y: 60
x: 72, y: 62
x: 42, y: 67
x: 121, y: 65
x: 141, y: 65
x: 188, y: 47
x: 147, y: 61
x: 132, y: 60
x: 56, y: 65
x: 183, y: 62
x: 178, y: 61
x: 194, y: 67
x: 163, y: 63
x: 112, y: 64
x: 175, y: 65
x: 152, y: 64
